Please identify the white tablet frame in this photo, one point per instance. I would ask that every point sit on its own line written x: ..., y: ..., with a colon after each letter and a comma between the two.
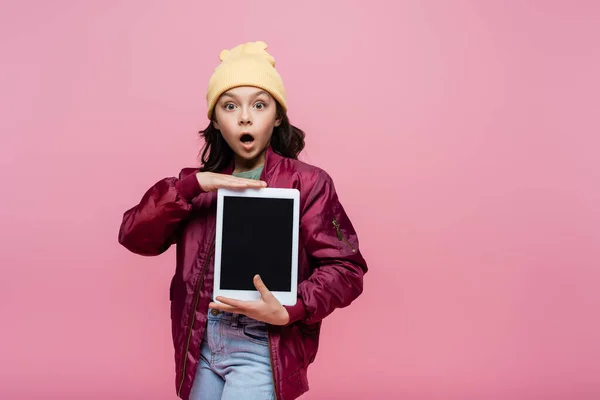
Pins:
x: 285, y: 298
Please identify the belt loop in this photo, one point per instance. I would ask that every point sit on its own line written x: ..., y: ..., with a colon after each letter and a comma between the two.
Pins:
x: 235, y: 320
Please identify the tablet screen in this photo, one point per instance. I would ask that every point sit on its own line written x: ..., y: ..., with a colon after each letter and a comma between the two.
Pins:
x: 256, y: 239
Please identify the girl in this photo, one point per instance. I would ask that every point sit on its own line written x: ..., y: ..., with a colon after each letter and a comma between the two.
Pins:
x: 246, y: 349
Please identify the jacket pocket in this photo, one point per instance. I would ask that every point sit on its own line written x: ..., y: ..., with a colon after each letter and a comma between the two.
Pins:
x: 341, y: 236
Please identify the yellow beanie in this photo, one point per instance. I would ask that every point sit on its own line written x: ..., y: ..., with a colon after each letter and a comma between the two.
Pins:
x: 248, y: 64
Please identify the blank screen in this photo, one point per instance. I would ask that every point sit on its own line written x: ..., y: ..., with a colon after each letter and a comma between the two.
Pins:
x: 256, y: 239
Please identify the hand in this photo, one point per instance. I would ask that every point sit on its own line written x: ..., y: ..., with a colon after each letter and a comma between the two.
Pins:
x: 210, y: 181
x: 266, y: 309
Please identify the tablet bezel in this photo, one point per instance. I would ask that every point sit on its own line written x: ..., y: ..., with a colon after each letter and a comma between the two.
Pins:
x: 285, y: 298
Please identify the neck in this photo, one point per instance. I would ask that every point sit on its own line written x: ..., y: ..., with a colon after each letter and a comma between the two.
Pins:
x: 244, y: 165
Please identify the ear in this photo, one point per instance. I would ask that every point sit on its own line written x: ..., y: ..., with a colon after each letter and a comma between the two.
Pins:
x: 278, y: 122
x: 216, y: 124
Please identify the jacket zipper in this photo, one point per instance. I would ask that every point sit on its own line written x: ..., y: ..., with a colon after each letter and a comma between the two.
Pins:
x: 341, y: 236
x: 193, y: 318
x: 272, y: 365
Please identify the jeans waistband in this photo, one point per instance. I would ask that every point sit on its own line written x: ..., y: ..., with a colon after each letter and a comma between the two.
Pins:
x: 230, y: 318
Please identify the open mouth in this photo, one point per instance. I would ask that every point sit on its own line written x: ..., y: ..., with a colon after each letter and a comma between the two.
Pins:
x: 247, y: 138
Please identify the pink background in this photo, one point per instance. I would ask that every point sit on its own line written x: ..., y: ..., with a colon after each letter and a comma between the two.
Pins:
x: 470, y: 169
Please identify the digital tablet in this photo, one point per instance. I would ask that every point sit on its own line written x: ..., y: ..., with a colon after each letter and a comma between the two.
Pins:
x: 257, y: 233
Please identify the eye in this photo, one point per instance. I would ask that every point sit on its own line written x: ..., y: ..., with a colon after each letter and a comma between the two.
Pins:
x: 260, y: 105
x: 229, y: 106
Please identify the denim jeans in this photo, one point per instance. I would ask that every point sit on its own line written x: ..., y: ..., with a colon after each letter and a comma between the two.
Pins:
x: 234, y: 360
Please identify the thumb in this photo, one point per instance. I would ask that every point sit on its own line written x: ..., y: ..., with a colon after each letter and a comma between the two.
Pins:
x: 261, y: 287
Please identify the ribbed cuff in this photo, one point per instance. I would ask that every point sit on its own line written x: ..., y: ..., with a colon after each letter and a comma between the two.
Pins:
x: 189, y: 187
x: 297, y: 312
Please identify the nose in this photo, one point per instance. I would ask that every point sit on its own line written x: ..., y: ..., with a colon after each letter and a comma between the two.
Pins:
x: 245, y: 118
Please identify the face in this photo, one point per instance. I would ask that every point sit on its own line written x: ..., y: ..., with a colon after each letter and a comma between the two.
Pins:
x: 246, y: 117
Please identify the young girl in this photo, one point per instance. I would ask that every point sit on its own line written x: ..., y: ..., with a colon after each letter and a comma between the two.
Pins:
x: 246, y: 349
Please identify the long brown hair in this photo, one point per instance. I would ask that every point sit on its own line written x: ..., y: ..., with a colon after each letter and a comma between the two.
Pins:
x: 287, y: 141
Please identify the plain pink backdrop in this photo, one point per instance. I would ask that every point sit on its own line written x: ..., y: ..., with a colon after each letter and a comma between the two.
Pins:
x: 463, y: 137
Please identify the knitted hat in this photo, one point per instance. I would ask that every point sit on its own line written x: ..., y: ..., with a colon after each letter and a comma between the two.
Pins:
x: 245, y: 65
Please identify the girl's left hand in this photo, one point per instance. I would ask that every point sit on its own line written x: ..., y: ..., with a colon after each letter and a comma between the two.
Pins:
x: 266, y: 309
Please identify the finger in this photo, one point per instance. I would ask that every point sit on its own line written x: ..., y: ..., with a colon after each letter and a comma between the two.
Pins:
x: 262, y: 288
x: 241, y: 184
x: 243, y: 305
x: 253, y: 182
x: 232, y: 185
x: 225, y: 308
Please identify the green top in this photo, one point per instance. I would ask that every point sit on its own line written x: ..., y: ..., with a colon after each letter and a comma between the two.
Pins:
x: 253, y: 174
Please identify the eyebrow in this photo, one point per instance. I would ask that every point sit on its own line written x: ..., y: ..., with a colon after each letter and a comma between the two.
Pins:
x: 259, y: 93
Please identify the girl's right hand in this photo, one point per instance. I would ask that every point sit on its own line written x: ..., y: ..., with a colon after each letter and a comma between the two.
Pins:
x: 210, y: 181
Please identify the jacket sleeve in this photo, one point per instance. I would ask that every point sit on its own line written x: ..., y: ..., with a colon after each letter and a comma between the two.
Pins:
x: 332, y: 245
x: 149, y: 228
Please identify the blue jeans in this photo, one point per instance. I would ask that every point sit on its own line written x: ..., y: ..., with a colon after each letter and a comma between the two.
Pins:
x: 234, y: 360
